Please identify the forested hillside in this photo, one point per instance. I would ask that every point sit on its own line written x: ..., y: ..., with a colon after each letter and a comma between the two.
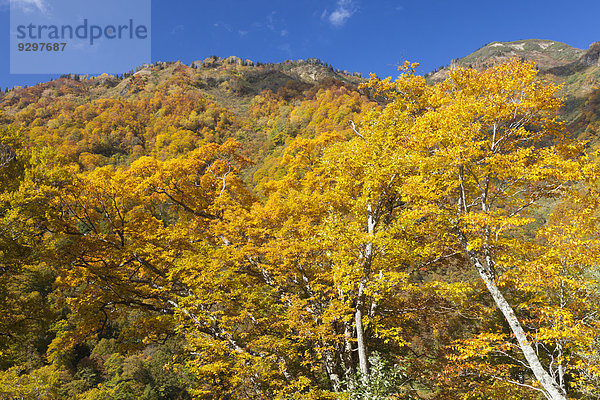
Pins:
x: 228, y: 230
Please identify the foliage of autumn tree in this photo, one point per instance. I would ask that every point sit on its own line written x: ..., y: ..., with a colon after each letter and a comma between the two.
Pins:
x: 328, y: 241
x: 325, y: 112
x: 484, y: 149
x: 402, y: 240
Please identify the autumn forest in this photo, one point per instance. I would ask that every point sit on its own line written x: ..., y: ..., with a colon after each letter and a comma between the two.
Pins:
x: 288, y: 231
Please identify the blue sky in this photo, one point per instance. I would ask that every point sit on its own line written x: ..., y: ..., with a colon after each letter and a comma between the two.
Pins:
x: 356, y: 35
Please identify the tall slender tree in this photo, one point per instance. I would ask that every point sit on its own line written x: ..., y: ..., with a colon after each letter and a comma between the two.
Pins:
x: 483, y: 149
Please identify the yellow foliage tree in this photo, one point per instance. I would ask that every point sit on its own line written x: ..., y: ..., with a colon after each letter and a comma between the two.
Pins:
x: 479, y: 152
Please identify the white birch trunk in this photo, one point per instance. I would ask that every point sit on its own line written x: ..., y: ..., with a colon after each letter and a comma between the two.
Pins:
x: 549, y: 385
x: 551, y: 389
x: 363, y: 361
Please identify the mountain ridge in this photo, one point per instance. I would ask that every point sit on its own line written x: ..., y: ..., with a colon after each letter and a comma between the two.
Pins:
x: 236, y: 86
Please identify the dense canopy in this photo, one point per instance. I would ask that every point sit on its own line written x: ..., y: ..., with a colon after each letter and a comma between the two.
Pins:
x: 393, y: 240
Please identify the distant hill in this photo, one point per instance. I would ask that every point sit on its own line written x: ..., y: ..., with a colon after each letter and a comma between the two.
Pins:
x: 168, y: 108
x: 227, y: 79
x: 577, y: 70
x: 547, y: 54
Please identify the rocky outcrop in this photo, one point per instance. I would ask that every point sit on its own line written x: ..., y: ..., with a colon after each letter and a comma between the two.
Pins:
x: 143, y: 72
x: 233, y: 60
x: 311, y: 73
x: 592, y: 56
x: 214, y: 61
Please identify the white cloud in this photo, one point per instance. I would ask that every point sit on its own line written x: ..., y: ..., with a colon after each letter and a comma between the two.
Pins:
x: 343, y: 11
x: 31, y: 5
x: 271, y: 21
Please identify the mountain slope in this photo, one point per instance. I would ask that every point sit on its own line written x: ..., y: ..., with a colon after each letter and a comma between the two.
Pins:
x: 577, y: 70
x: 168, y: 108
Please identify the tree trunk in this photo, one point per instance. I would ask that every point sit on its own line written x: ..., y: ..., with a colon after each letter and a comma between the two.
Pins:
x: 330, y: 367
x: 363, y: 361
x: 347, y: 352
x: 360, y: 334
x: 553, y: 391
